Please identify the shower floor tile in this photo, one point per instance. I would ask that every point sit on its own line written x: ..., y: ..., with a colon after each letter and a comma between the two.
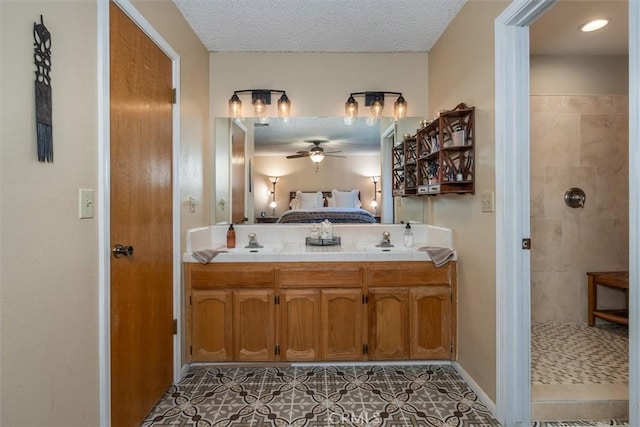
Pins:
x: 579, y: 372
x: 579, y: 354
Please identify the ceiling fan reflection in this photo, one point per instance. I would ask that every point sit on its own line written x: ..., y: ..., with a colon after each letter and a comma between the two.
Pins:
x: 316, y: 153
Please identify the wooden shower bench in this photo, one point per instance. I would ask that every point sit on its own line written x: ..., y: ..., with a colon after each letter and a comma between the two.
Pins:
x: 610, y: 279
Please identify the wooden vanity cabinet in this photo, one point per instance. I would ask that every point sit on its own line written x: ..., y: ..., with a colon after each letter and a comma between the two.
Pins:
x: 327, y: 311
x: 230, y: 316
x: 342, y: 324
x: 411, y: 310
x: 321, y: 311
x: 253, y: 325
x: 300, y: 325
x: 210, y: 332
x: 431, y: 329
x: 388, y: 318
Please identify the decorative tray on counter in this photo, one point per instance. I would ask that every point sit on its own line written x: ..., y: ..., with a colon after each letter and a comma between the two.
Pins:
x: 334, y: 241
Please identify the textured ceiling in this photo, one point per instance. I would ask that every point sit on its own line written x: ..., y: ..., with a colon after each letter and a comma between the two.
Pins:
x: 319, y: 25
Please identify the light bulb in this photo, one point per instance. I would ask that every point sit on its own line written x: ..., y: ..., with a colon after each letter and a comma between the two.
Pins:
x: 317, y: 157
x: 376, y: 108
x: 235, y: 107
x: 400, y: 108
x: 350, y: 111
x: 260, y: 109
x: 284, y: 108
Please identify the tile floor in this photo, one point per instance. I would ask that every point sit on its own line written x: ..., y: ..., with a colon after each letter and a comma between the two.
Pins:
x: 566, y: 359
x: 579, y: 354
x: 579, y: 372
x: 416, y: 395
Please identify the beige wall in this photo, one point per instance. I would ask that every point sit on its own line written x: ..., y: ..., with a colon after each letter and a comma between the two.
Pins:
x: 570, y: 137
x: 49, y: 258
x: 461, y: 69
x: 578, y: 116
x: 49, y: 270
x: 301, y: 175
x: 579, y: 75
x: 318, y: 84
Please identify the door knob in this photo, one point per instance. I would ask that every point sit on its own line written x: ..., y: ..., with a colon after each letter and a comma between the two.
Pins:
x: 121, y: 250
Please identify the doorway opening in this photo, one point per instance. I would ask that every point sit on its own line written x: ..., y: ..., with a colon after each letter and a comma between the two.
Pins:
x: 579, y: 117
x: 512, y: 167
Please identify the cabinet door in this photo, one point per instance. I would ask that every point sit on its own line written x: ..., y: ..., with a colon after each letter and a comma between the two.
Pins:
x: 388, y: 324
x: 430, y: 314
x: 300, y: 324
x: 253, y: 325
x: 211, y: 326
x: 342, y: 324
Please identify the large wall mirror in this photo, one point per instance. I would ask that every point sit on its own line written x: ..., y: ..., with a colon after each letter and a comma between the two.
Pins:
x: 249, y: 155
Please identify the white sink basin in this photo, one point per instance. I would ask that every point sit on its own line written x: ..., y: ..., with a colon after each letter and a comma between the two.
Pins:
x: 373, y: 248
x: 266, y: 249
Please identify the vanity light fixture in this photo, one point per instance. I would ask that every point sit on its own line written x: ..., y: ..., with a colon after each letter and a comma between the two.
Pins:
x: 273, y: 204
x: 593, y: 25
x: 260, y: 98
x: 375, y: 100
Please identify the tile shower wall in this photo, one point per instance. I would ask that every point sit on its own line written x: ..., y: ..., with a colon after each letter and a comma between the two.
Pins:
x: 577, y: 141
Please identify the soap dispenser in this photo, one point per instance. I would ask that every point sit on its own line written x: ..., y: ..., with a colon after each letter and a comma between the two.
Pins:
x: 231, y: 237
x: 408, y: 236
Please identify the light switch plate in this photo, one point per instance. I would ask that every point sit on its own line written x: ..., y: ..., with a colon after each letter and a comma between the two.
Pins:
x: 486, y: 201
x: 86, y: 203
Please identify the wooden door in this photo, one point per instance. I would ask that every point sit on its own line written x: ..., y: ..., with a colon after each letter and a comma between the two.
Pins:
x: 430, y: 314
x: 141, y: 303
x: 211, y: 326
x: 342, y: 324
x: 388, y: 336
x: 253, y: 325
x: 300, y: 324
x: 238, y: 185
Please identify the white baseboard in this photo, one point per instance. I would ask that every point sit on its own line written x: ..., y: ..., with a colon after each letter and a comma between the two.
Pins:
x: 484, y: 398
x: 184, y: 370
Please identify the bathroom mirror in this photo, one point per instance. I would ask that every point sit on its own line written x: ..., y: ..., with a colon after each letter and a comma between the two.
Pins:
x: 248, y: 154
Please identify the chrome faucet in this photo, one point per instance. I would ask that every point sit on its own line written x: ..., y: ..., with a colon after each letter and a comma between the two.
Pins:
x: 385, y: 242
x: 253, y: 243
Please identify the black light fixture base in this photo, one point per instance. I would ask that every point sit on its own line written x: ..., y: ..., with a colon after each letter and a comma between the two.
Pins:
x: 370, y: 97
x: 264, y: 94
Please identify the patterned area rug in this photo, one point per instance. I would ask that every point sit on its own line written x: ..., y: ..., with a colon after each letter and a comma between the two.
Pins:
x: 421, y: 395
x: 579, y: 354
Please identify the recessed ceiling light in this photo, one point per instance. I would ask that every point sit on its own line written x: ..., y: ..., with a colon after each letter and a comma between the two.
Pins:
x: 593, y: 25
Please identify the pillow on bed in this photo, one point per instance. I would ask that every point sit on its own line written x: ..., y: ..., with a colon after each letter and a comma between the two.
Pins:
x: 346, y: 199
x: 309, y: 200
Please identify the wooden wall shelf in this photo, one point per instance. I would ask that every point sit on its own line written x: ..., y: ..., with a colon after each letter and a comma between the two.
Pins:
x: 439, y: 158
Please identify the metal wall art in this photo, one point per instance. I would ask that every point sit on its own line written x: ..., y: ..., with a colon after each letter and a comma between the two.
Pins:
x: 42, y: 59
